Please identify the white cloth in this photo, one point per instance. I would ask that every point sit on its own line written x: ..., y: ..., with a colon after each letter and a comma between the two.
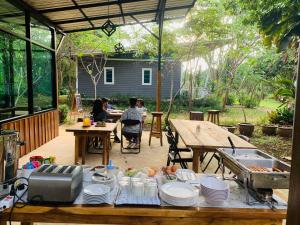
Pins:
x: 132, y: 114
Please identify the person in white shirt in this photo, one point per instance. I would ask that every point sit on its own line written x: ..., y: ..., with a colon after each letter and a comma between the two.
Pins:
x: 132, y: 131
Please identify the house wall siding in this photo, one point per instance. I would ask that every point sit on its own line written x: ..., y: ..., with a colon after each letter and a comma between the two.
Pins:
x: 128, y: 79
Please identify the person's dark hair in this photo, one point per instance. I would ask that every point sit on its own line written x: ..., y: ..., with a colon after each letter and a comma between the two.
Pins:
x: 132, y: 102
x: 142, y: 103
x: 105, y: 100
x: 97, y: 107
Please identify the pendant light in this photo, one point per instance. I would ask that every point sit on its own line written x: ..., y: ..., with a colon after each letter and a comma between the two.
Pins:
x: 108, y: 27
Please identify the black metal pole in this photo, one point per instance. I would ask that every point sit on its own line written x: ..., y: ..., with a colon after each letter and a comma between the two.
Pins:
x: 293, y: 215
x: 29, y: 64
x: 54, y: 70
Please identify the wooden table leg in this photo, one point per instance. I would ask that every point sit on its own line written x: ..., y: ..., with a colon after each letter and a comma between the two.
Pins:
x: 83, y: 149
x: 77, y: 148
x: 196, y: 160
x: 105, y: 158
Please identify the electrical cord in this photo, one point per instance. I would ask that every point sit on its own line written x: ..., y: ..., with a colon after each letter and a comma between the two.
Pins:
x: 16, y: 198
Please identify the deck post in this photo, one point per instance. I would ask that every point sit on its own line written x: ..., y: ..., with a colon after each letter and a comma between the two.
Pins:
x: 293, y: 216
x: 160, y: 30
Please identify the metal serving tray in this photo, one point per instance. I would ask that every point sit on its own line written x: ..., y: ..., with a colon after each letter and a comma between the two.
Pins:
x: 243, y: 159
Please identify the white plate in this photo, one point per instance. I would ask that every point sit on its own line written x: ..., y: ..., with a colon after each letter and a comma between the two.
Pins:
x: 96, y: 189
x: 185, y: 174
x: 178, y: 190
x: 190, y: 202
x: 214, y: 183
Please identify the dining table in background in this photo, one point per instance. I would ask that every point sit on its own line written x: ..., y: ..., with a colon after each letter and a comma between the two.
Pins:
x: 83, y: 133
x: 205, y: 136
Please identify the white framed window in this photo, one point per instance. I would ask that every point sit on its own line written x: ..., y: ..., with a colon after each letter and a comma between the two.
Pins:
x: 147, y: 76
x: 109, y: 75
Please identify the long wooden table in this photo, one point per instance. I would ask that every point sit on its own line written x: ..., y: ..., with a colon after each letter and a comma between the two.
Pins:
x: 82, y: 133
x: 143, y: 216
x: 208, y: 138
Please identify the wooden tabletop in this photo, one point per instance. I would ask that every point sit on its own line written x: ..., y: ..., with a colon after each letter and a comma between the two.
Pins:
x: 144, y: 215
x: 210, y: 135
x: 79, y: 128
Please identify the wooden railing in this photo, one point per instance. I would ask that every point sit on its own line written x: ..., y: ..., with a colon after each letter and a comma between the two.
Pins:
x: 35, y: 130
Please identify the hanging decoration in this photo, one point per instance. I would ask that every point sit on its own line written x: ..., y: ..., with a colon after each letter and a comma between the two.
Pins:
x: 108, y: 27
x: 119, y: 48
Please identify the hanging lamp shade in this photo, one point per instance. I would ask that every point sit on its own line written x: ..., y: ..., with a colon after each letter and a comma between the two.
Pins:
x: 109, y: 27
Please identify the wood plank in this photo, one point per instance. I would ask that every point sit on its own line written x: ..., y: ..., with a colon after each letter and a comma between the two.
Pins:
x: 36, y: 132
x: 40, y: 130
x: 31, y: 132
x: 49, y: 126
x: 56, y: 123
x: 22, y: 136
x: 27, y: 136
x: 209, y: 136
x: 147, y: 215
x: 43, y: 128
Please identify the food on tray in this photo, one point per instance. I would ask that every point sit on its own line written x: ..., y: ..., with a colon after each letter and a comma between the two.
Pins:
x: 277, y: 170
x: 130, y: 172
x: 258, y: 169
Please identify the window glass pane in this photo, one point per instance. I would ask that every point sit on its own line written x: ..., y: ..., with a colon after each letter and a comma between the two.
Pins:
x: 147, y: 77
x: 11, y: 18
x: 109, y: 76
x: 42, y: 75
x: 13, y: 77
x: 40, y: 33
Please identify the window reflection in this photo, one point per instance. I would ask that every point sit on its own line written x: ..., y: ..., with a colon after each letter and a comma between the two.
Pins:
x: 13, y: 77
x: 42, y: 78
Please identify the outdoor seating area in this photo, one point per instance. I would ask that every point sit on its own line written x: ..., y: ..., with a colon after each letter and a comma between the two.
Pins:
x: 153, y: 112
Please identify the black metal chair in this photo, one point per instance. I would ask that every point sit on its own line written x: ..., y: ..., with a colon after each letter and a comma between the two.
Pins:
x: 174, y: 155
x: 138, y: 136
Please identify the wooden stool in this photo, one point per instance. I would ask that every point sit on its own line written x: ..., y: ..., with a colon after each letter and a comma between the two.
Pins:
x: 156, y: 128
x: 196, y: 115
x: 213, y: 116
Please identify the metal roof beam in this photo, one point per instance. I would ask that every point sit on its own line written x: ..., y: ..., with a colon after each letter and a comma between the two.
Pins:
x: 115, y: 2
x: 24, y: 6
x: 119, y: 15
x: 128, y: 24
x: 83, y: 13
x: 121, y: 10
x: 146, y: 28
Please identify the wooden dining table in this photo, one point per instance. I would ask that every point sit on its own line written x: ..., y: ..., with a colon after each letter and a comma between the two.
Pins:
x: 205, y: 136
x: 103, y: 214
x: 83, y: 133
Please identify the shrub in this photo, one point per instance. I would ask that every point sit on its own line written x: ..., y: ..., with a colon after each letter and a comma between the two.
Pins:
x: 230, y: 100
x: 63, y: 99
x: 249, y: 102
x: 282, y: 116
x: 64, y: 110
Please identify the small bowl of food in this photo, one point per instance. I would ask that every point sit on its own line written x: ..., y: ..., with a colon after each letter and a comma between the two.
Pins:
x: 167, y: 178
x: 100, y: 168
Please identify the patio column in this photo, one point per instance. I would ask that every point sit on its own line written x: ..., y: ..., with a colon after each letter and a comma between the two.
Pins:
x: 293, y: 216
x: 160, y: 30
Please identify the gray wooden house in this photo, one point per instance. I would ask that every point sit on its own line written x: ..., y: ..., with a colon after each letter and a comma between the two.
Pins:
x: 128, y: 76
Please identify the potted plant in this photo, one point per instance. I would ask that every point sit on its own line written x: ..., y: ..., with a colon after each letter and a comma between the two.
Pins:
x: 63, y: 112
x: 268, y: 126
x: 284, y: 117
x: 245, y: 128
x: 230, y: 128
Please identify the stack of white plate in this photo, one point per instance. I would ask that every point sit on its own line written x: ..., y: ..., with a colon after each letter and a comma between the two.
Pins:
x: 96, y: 193
x: 186, y: 175
x: 103, y: 178
x: 179, y: 194
x: 214, y: 190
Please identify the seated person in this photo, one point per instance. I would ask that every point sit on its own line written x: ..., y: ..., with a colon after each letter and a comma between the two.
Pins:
x: 100, y: 114
x: 131, y: 132
x: 106, y: 104
x: 141, y: 106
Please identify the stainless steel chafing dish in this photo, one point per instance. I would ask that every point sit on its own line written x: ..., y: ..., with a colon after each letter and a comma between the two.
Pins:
x: 256, y: 169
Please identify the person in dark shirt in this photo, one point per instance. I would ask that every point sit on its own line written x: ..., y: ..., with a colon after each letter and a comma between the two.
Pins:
x: 98, y: 112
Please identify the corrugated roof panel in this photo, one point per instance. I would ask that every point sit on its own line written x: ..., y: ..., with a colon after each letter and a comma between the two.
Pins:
x: 70, y: 14
x: 102, y: 11
x: 49, y: 4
